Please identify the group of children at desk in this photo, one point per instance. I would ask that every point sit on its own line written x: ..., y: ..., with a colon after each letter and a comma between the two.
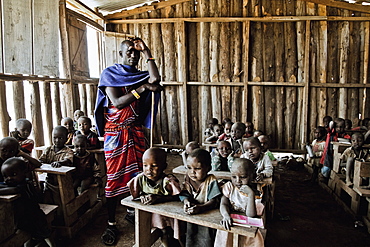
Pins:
x: 339, y: 130
x: 17, y: 175
x: 201, y: 192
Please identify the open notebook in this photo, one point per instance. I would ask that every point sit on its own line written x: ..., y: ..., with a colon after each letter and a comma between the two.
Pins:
x: 242, y: 220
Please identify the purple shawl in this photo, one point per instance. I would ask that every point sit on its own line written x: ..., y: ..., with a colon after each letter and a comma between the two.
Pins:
x: 120, y: 75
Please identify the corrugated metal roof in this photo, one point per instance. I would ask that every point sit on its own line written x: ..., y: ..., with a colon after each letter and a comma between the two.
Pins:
x: 111, y: 6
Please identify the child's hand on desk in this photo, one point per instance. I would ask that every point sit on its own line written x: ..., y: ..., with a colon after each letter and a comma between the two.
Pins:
x: 227, y: 222
x: 193, y: 209
x: 56, y: 164
x: 148, y: 199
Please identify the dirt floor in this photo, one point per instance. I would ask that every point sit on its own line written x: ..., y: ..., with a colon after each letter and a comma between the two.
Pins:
x: 304, y: 215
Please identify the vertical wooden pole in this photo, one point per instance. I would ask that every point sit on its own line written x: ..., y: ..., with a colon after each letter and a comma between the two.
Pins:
x: 83, y: 98
x: 306, y: 90
x: 68, y: 89
x: 56, y: 104
x: 18, y: 102
x: 36, y: 114
x: 322, y: 62
x: 181, y: 67
x: 246, y: 32
x: 4, y: 115
x: 48, y: 111
x: 343, y: 60
x: 366, y: 65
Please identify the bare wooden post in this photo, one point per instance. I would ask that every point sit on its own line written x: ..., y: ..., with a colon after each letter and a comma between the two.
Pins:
x: 68, y: 89
x: 343, y: 71
x: 56, y: 103
x: 322, y: 62
x: 48, y: 111
x: 4, y: 115
x: 83, y: 98
x: 365, y: 65
x: 246, y: 31
x: 36, y: 114
x: 18, y: 102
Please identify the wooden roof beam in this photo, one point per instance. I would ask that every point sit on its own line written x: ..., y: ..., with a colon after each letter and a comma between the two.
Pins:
x: 342, y: 5
x: 85, y: 9
x: 143, y: 9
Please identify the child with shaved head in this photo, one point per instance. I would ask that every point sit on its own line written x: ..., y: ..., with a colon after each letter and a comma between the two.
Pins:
x: 22, y: 131
x: 239, y: 195
x: 154, y: 186
x: 188, y: 149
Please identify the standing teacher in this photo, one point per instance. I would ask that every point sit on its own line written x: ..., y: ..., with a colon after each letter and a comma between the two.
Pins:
x: 123, y: 106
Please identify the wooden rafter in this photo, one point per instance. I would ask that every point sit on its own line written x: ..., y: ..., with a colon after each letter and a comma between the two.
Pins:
x: 342, y: 5
x: 85, y: 9
x: 143, y: 9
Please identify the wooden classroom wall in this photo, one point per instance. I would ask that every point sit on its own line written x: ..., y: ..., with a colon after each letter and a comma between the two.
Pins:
x: 29, y: 65
x: 284, y: 74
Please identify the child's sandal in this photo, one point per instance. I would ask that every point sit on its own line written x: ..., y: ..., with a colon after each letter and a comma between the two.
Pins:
x: 109, y: 236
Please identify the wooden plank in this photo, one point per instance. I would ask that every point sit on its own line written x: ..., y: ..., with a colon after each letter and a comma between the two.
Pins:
x: 342, y: 5
x: 246, y: 33
x: 182, y: 77
x: 48, y: 112
x: 57, y: 111
x: 366, y: 30
x: 152, y: 7
x: 322, y: 62
x: 343, y: 72
x: 17, y: 36
x: 306, y: 90
x: 18, y: 104
x: 46, y: 37
x: 36, y: 114
x: 4, y: 115
x: 85, y: 9
x: 87, y: 21
x: 83, y: 98
x: 75, y: 204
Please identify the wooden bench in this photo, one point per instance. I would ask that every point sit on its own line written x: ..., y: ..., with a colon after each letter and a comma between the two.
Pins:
x: 144, y: 237
x: 8, y: 234
x: 361, y: 170
x: 70, y: 204
x: 338, y: 148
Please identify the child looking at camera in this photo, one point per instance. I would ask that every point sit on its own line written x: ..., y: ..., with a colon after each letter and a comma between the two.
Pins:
x: 227, y: 132
x: 353, y: 153
x: 261, y: 161
x: 76, y: 115
x: 318, y: 146
x: 236, y: 141
x: 27, y: 213
x: 68, y: 123
x: 209, y: 130
x: 201, y: 194
x: 188, y: 149
x: 249, y: 130
x: 84, y: 128
x: 23, y: 129
x: 220, y: 156
x: 239, y: 195
x: 56, y: 155
x: 87, y: 168
x: 154, y: 186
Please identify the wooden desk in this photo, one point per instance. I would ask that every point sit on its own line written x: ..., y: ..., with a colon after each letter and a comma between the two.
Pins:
x: 338, y: 148
x: 361, y: 170
x: 219, y: 174
x: 143, y: 237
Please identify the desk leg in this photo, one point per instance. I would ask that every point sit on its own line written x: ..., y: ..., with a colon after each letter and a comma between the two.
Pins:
x: 235, y: 240
x: 143, y: 235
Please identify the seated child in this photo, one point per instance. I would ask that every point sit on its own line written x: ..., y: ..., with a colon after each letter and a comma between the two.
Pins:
x: 257, y: 133
x: 318, y: 146
x: 217, y: 130
x: 22, y: 131
x: 68, y: 123
x: 57, y: 155
x: 209, y: 131
x: 265, y: 144
x: 239, y: 195
x: 237, y: 132
x: 220, y: 156
x: 154, y: 186
x: 347, y: 124
x: 28, y: 216
x: 201, y: 193
x: 84, y: 126
x: 87, y: 168
x: 262, y: 162
x: 227, y: 132
x: 9, y: 147
x: 188, y: 149
x: 76, y: 115
x: 355, y: 152
x: 336, y: 130
x: 249, y: 129
x: 226, y: 120
x: 326, y: 120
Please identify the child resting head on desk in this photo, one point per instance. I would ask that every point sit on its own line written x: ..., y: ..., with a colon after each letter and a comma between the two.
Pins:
x: 154, y: 186
x: 240, y: 196
x: 27, y: 213
x: 201, y: 193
